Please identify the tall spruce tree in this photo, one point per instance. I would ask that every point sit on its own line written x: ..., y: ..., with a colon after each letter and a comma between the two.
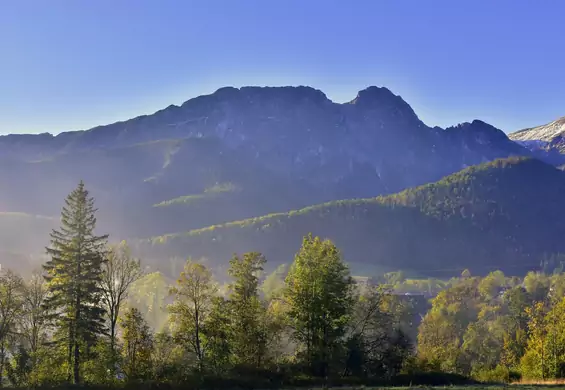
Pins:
x: 73, y: 277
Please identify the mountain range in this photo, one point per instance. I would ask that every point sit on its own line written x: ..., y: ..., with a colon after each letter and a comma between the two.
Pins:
x: 242, y: 153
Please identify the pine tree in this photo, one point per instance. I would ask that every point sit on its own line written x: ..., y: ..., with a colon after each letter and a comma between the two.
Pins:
x: 73, y: 276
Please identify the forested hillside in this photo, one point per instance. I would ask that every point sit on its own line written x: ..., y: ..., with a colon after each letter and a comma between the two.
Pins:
x: 504, y: 214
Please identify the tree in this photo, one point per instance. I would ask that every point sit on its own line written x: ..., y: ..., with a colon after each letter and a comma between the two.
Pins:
x: 120, y: 271
x: 273, y: 285
x: 74, y: 275
x: 491, y: 285
x: 248, y: 331
x: 217, y: 331
x: 534, y: 362
x: 11, y: 297
x: 32, y: 323
x: 20, y: 367
x: 170, y: 361
x: 138, y: 346
x: 441, y: 332
x: 516, y: 300
x: 148, y: 295
x: 319, y: 293
x: 193, y: 297
x: 375, y: 345
x: 33, y: 320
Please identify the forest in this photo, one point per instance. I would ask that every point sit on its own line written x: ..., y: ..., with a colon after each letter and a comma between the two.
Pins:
x: 94, y: 315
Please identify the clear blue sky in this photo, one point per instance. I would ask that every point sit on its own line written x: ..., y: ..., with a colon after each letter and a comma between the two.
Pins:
x: 69, y: 65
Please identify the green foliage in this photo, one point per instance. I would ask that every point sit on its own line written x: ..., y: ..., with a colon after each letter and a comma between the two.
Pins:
x: 273, y: 285
x: 482, y: 218
x: 215, y: 190
x: 193, y: 301
x: 51, y: 366
x: 248, y: 326
x: 20, y: 366
x: 148, y: 295
x: 11, y: 301
x: 137, y: 347
x: 319, y: 293
x: 73, y: 276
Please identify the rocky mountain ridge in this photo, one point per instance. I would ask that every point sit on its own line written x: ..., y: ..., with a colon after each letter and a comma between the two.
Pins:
x: 269, y: 149
x: 546, y: 142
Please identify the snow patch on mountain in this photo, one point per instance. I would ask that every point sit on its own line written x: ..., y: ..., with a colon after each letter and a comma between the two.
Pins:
x: 545, y: 133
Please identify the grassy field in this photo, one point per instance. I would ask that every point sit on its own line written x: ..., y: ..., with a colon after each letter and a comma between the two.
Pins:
x: 476, y: 387
x: 489, y: 387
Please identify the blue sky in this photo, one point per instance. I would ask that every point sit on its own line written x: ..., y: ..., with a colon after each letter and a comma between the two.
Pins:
x: 69, y: 65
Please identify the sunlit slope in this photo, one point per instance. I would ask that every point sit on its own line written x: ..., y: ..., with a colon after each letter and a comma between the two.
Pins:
x: 503, y: 214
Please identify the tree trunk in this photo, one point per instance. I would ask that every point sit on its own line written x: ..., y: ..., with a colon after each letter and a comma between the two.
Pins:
x: 2, y: 352
x: 76, y: 367
x: 76, y: 362
x: 70, y: 345
x: 113, y: 339
x: 197, y: 341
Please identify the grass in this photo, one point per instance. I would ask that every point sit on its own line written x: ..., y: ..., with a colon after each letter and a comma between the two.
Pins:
x: 534, y: 386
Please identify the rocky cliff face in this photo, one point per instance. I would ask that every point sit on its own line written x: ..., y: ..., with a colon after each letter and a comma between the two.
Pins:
x: 298, y: 131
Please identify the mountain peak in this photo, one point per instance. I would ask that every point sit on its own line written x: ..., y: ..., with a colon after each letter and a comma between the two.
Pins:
x: 477, y: 126
x: 286, y: 92
x: 383, y: 100
x: 545, y: 133
x: 375, y: 95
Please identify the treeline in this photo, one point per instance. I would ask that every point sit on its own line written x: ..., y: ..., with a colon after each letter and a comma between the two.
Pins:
x: 497, y: 328
x: 92, y: 316
x: 73, y: 322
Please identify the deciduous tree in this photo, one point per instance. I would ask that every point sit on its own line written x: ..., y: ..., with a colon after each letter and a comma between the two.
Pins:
x: 319, y: 294
x: 193, y: 296
x: 120, y: 271
x: 11, y: 300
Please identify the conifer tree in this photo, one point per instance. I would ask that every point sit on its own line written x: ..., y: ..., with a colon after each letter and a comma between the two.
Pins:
x: 73, y: 276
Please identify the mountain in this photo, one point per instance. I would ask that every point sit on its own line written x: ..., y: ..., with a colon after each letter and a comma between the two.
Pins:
x: 546, y: 142
x: 483, y: 218
x: 235, y: 154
